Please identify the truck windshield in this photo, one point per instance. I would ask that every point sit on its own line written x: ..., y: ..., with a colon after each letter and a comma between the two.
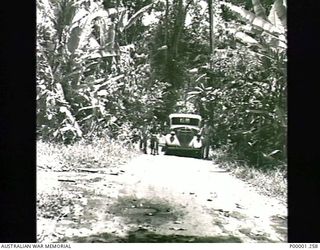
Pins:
x: 184, y: 121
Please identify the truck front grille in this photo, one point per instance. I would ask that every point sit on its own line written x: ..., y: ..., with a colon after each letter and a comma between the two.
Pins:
x: 185, y: 137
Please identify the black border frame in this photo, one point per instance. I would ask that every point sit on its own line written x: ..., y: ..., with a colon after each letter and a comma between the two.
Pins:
x: 303, y: 54
x: 18, y: 122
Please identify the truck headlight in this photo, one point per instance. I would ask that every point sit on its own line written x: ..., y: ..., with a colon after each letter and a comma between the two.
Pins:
x: 171, y: 138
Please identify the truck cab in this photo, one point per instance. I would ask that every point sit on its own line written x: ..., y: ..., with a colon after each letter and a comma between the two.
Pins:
x: 184, y: 135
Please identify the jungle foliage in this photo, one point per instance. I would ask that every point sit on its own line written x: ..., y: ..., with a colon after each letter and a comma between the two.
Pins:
x: 104, y: 68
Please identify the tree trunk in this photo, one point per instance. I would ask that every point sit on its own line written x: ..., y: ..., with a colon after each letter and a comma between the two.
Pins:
x: 212, y: 38
x: 166, y: 30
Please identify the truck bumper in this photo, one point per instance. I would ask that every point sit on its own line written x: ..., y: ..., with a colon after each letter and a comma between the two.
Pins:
x: 183, y: 151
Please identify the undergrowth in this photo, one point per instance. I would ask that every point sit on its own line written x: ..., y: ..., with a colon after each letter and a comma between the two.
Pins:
x: 271, y: 182
x: 99, y: 153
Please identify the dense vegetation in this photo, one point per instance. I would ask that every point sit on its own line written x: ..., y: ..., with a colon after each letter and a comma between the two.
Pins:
x: 106, y: 67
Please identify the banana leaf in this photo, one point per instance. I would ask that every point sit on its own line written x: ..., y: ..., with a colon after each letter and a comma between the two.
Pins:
x: 278, y: 14
x: 245, y: 38
x: 253, y: 19
x: 259, y: 9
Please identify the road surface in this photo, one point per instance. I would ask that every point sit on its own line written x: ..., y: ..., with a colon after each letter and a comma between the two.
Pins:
x: 159, y: 199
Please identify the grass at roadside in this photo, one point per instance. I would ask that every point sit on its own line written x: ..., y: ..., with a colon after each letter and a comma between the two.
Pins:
x: 99, y: 153
x: 272, y: 182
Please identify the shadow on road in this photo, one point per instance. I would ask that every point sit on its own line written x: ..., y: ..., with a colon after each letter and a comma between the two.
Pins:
x: 145, y: 236
x: 281, y: 226
x: 144, y: 216
x: 143, y: 212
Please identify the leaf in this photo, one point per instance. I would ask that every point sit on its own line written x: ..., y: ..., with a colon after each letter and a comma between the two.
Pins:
x: 274, y: 16
x: 198, y: 88
x: 108, y: 39
x: 72, y: 119
x: 194, y: 70
x: 281, y: 10
x: 123, y: 20
x: 253, y: 19
x: 274, y: 152
x: 79, y: 16
x: 256, y: 111
x: 258, y: 9
x: 93, y: 44
x: 200, y: 77
x: 108, y: 82
x: 73, y: 41
x: 245, y: 38
x: 164, y: 47
x: 281, y: 116
x: 103, y: 92
x: 138, y: 14
x: 89, y: 107
x: 45, y: 12
x: 81, y: 32
x: 216, y: 91
x: 87, y: 117
x: 63, y: 109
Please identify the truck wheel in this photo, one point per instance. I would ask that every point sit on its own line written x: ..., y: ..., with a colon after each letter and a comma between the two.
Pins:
x: 166, y: 151
x: 200, y: 154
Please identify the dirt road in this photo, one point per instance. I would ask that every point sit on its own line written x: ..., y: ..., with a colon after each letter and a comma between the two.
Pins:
x: 158, y: 199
